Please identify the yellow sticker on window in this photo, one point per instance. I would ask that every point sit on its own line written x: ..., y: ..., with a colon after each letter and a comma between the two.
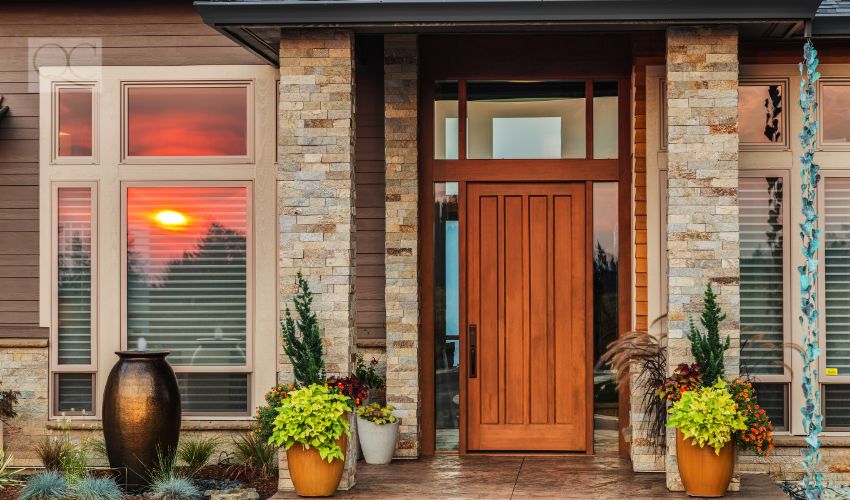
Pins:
x: 832, y: 371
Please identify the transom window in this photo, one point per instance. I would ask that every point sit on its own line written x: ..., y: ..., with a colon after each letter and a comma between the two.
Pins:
x: 761, y: 113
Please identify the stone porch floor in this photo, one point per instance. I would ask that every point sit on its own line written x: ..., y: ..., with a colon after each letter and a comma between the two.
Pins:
x: 507, y: 477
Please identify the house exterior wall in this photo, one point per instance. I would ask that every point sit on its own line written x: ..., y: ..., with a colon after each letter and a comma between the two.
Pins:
x: 154, y: 34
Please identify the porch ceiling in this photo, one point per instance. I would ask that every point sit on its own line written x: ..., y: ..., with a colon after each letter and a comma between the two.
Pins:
x: 255, y: 24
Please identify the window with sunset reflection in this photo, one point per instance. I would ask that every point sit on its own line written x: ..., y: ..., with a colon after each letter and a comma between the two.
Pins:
x: 187, y: 290
x: 183, y: 120
x: 75, y: 122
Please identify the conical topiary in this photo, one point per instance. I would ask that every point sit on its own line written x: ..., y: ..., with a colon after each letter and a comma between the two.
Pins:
x: 707, y: 349
x: 302, y: 341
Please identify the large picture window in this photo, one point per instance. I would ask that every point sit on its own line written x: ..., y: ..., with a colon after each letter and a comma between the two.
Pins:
x: 159, y: 217
x: 187, y: 264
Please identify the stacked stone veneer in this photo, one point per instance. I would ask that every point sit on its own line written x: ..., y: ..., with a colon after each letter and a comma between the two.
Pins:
x: 316, y: 189
x: 23, y: 368
x: 702, y: 212
x: 402, y: 300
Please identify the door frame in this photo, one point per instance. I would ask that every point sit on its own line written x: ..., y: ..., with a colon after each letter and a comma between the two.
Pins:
x: 528, y: 57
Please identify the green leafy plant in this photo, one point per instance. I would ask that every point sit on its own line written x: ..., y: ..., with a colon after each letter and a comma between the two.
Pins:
x: 264, y: 420
x: 7, y: 474
x: 684, y: 378
x: 377, y: 414
x: 174, y: 488
x: 96, y: 448
x: 50, y: 485
x: 313, y: 416
x: 707, y: 348
x: 707, y: 415
x: 255, y: 456
x: 7, y: 405
x: 368, y: 374
x: 164, y: 467
x: 196, y: 452
x: 51, y: 450
x: 302, y: 341
x: 97, y: 488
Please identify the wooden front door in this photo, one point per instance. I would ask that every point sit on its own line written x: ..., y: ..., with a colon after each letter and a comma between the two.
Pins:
x: 526, y: 291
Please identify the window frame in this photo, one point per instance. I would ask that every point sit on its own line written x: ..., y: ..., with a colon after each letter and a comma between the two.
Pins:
x: 248, y: 157
x: 260, y: 170
x: 822, y: 82
x: 785, y: 84
x: 56, y: 369
x: 249, y: 269
x: 55, y: 88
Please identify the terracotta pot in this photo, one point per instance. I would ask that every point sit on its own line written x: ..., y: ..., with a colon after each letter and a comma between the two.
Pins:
x: 141, y: 414
x: 704, y: 473
x: 311, y: 475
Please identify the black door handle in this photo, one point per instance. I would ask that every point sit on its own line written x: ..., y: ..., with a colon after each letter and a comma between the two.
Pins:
x: 473, y: 354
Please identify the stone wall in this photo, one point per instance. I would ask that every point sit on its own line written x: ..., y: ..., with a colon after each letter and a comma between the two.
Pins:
x: 402, y: 300
x: 702, y: 213
x: 23, y: 368
x: 316, y: 190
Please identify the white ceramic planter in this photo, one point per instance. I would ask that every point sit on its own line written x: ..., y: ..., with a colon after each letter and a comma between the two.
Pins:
x: 377, y: 441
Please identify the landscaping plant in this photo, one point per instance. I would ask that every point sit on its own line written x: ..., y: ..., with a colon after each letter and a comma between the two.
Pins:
x: 50, y: 485
x: 707, y: 348
x: 707, y: 415
x: 196, y: 452
x: 350, y: 386
x: 255, y: 456
x: 368, y: 374
x: 313, y: 416
x: 51, y: 450
x: 264, y: 420
x: 97, y: 488
x: 7, y: 405
x: 684, y: 378
x: 74, y: 463
x: 758, y: 435
x: 7, y: 474
x: 377, y: 414
x: 302, y: 341
x: 174, y: 488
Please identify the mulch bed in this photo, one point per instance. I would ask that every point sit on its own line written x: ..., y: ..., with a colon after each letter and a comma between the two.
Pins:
x: 10, y: 493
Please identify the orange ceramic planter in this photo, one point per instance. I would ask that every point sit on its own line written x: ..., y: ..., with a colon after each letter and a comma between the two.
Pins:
x: 704, y: 473
x: 312, y: 476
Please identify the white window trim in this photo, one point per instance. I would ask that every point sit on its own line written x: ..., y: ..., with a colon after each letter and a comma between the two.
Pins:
x: 110, y: 173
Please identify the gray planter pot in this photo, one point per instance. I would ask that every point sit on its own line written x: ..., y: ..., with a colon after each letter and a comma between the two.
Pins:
x: 377, y: 441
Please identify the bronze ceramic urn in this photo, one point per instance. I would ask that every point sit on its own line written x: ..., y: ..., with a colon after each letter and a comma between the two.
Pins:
x: 141, y: 414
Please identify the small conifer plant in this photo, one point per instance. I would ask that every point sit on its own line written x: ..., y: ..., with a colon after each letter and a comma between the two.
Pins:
x: 302, y: 341
x: 707, y: 348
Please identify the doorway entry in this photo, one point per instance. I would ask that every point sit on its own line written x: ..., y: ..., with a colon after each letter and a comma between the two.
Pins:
x: 519, y: 267
x: 525, y: 310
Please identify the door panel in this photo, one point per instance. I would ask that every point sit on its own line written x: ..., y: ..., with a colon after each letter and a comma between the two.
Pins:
x: 526, y: 296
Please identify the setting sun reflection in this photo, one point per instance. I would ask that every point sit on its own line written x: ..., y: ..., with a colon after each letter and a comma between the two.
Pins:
x: 170, y: 218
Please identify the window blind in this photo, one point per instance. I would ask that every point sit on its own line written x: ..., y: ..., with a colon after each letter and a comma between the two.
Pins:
x: 74, y: 297
x: 74, y: 393
x: 771, y: 398
x: 214, y: 392
x: 836, y: 406
x: 837, y: 279
x: 187, y: 273
x: 762, y: 268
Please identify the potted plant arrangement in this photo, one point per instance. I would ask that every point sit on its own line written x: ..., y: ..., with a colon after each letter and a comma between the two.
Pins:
x: 378, y: 431
x: 311, y: 418
x: 710, y: 415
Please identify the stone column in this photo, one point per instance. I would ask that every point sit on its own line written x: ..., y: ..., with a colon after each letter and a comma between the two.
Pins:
x: 316, y: 190
x: 401, y: 258
x: 702, y: 213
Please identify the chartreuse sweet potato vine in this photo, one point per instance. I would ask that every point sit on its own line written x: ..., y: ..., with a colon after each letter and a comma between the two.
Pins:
x: 313, y: 416
x: 707, y: 415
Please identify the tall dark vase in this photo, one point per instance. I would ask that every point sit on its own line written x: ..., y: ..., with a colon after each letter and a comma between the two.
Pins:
x: 141, y: 414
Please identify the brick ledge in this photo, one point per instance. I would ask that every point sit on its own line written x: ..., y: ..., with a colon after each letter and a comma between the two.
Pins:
x: 22, y: 342
x: 799, y: 441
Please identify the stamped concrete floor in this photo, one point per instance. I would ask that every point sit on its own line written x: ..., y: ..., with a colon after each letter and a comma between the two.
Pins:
x: 508, y: 477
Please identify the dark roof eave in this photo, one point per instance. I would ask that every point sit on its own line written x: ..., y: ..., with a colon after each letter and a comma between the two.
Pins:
x: 354, y: 12
x: 831, y: 26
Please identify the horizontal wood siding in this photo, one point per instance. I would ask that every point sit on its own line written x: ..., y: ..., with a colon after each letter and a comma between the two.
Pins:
x: 370, y: 317
x: 141, y: 34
